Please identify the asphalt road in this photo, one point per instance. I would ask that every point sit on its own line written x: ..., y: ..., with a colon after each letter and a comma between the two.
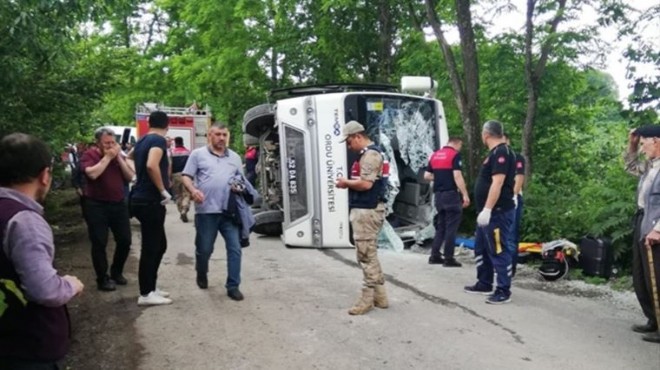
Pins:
x: 294, y: 316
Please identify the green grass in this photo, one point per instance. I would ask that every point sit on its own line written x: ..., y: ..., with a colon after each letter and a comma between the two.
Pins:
x: 622, y: 283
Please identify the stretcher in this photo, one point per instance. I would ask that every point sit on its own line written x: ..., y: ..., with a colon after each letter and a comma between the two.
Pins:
x: 526, y: 247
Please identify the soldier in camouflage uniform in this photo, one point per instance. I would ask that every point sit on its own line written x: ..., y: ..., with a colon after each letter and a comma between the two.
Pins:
x: 366, y: 187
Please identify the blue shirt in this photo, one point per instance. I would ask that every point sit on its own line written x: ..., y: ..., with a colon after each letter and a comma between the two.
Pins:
x: 144, y: 188
x: 211, y: 174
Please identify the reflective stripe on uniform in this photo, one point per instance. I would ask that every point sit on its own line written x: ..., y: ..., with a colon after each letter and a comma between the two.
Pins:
x: 498, y: 243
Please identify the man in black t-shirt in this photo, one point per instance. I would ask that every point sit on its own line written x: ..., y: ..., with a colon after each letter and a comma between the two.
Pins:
x: 494, y: 201
x: 148, y: 199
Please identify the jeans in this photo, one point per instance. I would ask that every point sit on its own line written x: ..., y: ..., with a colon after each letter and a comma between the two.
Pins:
x: 207, y: 226
x: 154, y: 242
x: 514, y: 235
x: 449, y: 205
x: 101, y: 216
x: 491, y: 253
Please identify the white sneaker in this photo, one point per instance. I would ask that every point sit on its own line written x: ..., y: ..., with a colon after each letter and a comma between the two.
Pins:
x: 162, y: 293
x: 153, y: 299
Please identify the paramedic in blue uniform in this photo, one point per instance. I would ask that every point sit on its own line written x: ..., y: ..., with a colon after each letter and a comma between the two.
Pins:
x: 514, y: 238
x: 451, y: 196
x: 493, y: 197
x: 646, y: 233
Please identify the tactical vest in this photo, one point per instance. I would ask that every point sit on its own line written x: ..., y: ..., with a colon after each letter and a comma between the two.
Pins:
x: 28, y: 330
x: 179, y: 158
x: 369, y: 198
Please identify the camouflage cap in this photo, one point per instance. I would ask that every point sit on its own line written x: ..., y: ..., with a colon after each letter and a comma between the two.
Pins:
x: 352, y: 127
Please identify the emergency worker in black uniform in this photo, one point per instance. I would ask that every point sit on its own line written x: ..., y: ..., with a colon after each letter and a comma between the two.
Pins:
x: 494, y: 201
x: 451, y: 196
x: 366, y: 192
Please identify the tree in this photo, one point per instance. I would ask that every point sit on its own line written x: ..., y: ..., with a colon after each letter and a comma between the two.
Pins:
x: 643, y: 51
x: 52, y: 78
x: 548, y: 41
x: 464, y: 83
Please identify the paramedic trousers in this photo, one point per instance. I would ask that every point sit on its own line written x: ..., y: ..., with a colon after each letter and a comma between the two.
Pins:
x: 366, y: 224
x: 514, y: 235
x: 491, y: 253
x: 449, y: 205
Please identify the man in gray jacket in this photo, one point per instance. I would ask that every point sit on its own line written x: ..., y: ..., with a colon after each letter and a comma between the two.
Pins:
x: 647, y: 230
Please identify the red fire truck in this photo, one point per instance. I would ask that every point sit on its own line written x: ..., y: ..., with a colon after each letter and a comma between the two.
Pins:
x: 191, y: 123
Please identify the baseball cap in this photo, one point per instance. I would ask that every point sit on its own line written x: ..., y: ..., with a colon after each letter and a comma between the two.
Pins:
x: 352, y: 127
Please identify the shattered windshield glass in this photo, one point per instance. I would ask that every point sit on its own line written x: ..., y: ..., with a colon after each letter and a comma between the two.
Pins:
x: 405, y: 128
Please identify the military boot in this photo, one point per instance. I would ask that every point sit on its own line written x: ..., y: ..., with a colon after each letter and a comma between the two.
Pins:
x: 380, y: 296
x: 364, y: 304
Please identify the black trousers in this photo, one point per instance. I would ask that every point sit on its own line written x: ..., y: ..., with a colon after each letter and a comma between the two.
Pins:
x: 641, y: 272
x: 154, y: 242
x: 101, y: 217
x: 449, y: 205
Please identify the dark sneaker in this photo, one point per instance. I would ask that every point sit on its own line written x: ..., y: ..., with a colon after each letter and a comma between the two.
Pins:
x: 235, y: 294
x: 478, y: 289
x: 436, y: 260
x: 202, y: 281
x: 184, y: 217
x: 119, y: 279
x: 106, y: 285
x: 499, y: 297
x: 450, y: 262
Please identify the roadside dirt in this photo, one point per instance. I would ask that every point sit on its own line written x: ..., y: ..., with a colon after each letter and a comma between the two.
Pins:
x: 102, y: 327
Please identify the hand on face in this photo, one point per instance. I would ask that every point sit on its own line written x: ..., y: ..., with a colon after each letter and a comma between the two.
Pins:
x: 111, y: 150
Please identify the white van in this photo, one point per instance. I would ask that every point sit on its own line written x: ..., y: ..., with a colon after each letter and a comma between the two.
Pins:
x: 128, y: 133
x: 300, y: 158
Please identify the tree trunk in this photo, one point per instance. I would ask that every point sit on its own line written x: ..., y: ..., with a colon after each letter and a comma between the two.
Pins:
x: 471, y: 116
x: 528, y: 132
x: 273, y: 67
x: 533, y: 76
x: 468, y: 107
x: 127, y: 32
x: 385, y: 41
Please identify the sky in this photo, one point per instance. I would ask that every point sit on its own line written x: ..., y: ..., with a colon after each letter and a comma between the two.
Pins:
x: 614, y: 64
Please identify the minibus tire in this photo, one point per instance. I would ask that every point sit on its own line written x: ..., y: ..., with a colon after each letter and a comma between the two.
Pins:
x: 268, y: 229
x: 259, y: 119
